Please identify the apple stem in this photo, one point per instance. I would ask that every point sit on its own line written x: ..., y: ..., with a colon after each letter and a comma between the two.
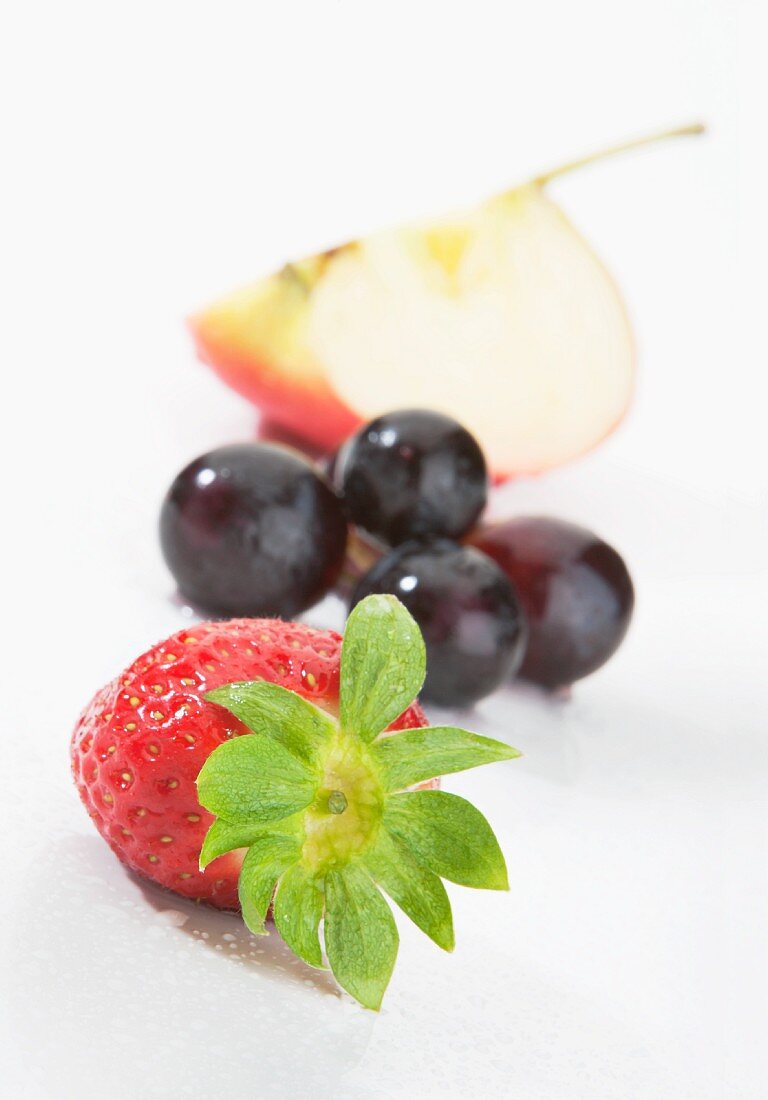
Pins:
x: 624, y: 147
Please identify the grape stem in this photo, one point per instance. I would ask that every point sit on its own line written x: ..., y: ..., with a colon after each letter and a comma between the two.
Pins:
x: 623, y: 147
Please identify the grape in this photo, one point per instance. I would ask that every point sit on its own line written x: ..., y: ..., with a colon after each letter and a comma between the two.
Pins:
x: 412, y: 474
x: 467, y: 610
x: 575, y: 589
x: 250, y: 530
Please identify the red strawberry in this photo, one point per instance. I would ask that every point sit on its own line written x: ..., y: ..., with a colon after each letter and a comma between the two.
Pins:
x: 138, y: 747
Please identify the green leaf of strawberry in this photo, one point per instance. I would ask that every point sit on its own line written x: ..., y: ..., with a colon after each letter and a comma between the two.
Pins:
x: 298, y: 909
x: 360, y: 934
x: 280, y: 714
x: 255, y: 779
x: 447, y: 834
x: 323, y: 808
x: 265, y: 862
x: 383, y: 665
x: 224, y: 836
x: 410, y: 757
x: 417, y: 890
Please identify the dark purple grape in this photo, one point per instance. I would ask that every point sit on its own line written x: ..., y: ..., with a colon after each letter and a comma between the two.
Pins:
x: 575, y: 589
x: 251, y: 530
x: 468, y: 612
x: 412, y: 474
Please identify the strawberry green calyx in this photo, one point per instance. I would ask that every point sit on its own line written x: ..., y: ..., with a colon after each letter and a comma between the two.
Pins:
x: 326, y: 811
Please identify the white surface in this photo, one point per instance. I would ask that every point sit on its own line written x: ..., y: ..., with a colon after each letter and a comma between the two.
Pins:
x: 163, y: 152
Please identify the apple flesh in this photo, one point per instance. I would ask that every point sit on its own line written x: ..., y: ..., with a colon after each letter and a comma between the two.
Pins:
x: 502, y: 317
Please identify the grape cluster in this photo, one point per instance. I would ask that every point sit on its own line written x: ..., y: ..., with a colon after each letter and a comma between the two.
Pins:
x: 256, y: 529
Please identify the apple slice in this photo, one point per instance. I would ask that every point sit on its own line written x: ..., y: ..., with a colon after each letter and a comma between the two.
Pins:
x: 502, y: 317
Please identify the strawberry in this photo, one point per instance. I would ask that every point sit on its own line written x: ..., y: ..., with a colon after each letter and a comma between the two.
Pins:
x: 269, y: 765
x: 139, y: 745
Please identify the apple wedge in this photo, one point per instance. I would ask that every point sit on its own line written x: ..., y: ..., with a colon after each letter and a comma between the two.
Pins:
x: 502, y: 317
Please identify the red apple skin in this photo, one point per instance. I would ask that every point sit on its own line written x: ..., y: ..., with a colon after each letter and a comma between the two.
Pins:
x: 306, y: 407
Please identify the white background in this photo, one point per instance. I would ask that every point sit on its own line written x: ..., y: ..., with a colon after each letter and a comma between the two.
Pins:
x: 157, y: 154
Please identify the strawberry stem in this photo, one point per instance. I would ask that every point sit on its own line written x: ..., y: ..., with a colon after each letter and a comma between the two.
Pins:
x: 337, y: 802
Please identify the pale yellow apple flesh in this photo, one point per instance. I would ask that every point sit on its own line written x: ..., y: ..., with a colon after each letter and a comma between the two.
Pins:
x: 504, y: 319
